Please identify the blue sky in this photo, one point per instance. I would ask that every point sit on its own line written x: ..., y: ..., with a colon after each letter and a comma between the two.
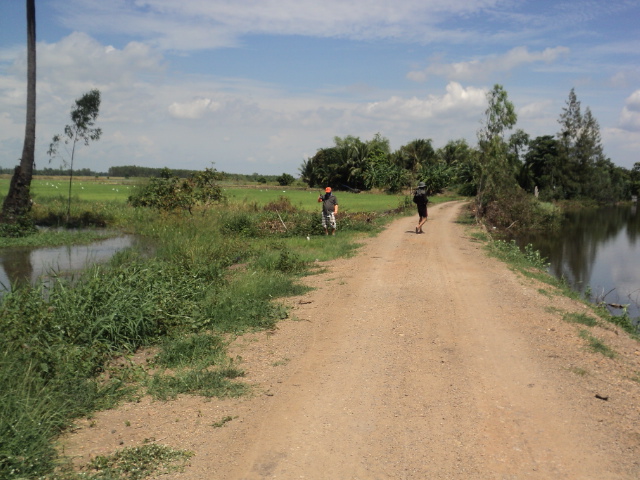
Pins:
x: 261, y: 85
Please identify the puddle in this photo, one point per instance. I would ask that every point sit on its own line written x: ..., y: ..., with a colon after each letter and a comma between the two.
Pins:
x: 22, y: 264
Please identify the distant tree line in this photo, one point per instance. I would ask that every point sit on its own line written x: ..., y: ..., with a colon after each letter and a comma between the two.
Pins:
x: 133, y: 171
x: 570, y: 165
x: 62, y: 172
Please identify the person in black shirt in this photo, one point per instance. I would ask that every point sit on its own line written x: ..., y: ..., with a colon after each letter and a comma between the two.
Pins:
x: 329, y: 211
x: 421, y: 200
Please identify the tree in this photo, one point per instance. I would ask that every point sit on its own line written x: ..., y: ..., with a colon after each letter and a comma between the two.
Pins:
x: 635, y: 179
x: 496, y: 178
x: 542, y: 168
x: 83, y: 118
x: 18, y: 201
x: 285, y: 180
x: 581, y: 152
x: 416, y: 155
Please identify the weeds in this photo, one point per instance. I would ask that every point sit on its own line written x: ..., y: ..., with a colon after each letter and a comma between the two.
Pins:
x: 222, y: 422
x: 511, y: 253
x: 597, y: 345
x: 581, y: 318
x: 137, y: 463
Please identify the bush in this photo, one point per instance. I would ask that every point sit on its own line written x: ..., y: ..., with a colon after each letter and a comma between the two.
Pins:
x: 285, y: 179
x: 521, y: 212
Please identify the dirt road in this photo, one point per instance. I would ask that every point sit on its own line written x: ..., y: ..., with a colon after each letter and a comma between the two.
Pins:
x: 420, y: 358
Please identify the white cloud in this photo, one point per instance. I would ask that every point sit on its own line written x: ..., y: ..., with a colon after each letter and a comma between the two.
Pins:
x: 482, y: 69
x: 194, y: 109
x: 455, y: 100
x: 630, y: 115
x: 535, y: 109
x: 199, y: 24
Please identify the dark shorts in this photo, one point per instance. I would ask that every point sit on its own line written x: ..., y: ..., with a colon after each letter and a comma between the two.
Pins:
x: 422, y: 210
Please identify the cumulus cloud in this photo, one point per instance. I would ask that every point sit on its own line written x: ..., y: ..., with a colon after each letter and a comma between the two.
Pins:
x: 455, y: 99
x: 482, y: 69
x: 194, y: 109
x: 82, y: 58
x: 630, y: 116
x: 535, y: 109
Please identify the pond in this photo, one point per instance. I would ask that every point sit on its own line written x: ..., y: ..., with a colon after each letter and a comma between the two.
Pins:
x: 597, y: 252
x: 21, y: 264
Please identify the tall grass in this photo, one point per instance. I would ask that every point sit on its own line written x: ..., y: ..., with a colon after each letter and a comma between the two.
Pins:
x: 213, y: 273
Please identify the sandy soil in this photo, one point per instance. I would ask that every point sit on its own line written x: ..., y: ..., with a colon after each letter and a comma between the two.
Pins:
x: 419, y: 358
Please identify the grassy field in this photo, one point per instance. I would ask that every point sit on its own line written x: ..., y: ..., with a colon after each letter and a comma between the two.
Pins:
x: 105, y: 189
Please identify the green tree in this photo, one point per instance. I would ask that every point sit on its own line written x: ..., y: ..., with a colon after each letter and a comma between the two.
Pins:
x: 542, y: 168
x: 416, y: 155
x: 581, y: 153
x: 345, y: 164
x: 496, y: 179
x: 83, y: 118
x: 384, y: 173
x: 635, y: 179
x: 285, y: 180
x: 17, y: 203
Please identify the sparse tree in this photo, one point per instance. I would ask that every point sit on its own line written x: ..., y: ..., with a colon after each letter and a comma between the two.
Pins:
x: 83, y: 119
x: 496, y: 178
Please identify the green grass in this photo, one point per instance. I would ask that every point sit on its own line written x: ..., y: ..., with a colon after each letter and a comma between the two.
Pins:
x: 222, y: 422
x: 118, y: 190
x: 102, y: 189
x: 307, y: 199
x: 597, y: 345
x: 212, y: 275
x: 581, y: 318
x: 136, y: 463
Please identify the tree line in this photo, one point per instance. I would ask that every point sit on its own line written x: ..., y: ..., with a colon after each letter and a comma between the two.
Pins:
x: 567, y: 165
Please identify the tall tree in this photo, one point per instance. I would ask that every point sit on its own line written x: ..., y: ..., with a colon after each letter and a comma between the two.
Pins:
x: 18, y: 201
x: 83, y: 119
x: 581, y: 152
x: 496, y: 178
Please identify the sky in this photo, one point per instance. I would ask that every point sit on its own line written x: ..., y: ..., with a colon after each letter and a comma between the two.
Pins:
x: 258, y: 86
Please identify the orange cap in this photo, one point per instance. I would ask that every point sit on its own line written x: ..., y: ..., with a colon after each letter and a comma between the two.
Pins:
x: 328, y: 189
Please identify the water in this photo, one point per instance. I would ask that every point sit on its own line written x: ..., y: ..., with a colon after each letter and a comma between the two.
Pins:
x: 33, y: 264
x: 597, y: 252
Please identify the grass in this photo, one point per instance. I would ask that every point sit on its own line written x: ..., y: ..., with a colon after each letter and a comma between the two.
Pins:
x: 581, y: 318
x: 597, y: 345
x: 136, y: 463
x: 222, y: 422
x: 579, y: 371
x: 212, y: 275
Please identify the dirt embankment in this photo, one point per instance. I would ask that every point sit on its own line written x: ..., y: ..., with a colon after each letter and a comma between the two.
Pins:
x: 420, y: 358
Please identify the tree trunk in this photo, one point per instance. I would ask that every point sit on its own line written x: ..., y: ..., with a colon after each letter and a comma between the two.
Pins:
x: 18, y: 200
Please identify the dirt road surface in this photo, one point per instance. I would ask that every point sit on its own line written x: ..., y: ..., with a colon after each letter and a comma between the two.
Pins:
x: 419, y: 358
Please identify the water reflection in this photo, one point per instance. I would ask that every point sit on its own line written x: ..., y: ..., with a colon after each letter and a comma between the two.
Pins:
x: 597, y: 250
x: 23, y: 264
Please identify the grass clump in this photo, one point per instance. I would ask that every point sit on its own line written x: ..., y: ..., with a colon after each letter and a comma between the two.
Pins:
x: 136, y: 463
x: 510, y: 252
x: 597, y: 345
x: 203, y: 382
x: 581, y: 318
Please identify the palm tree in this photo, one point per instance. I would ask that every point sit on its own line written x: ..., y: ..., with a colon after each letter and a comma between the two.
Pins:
x: 18, y: 201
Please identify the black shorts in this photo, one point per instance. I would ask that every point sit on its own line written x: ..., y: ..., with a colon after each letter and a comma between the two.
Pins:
x: 422, y: 210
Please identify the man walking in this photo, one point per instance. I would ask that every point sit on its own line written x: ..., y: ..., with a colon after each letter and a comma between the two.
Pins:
x: 421, y: 200
x: 329, y: 211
